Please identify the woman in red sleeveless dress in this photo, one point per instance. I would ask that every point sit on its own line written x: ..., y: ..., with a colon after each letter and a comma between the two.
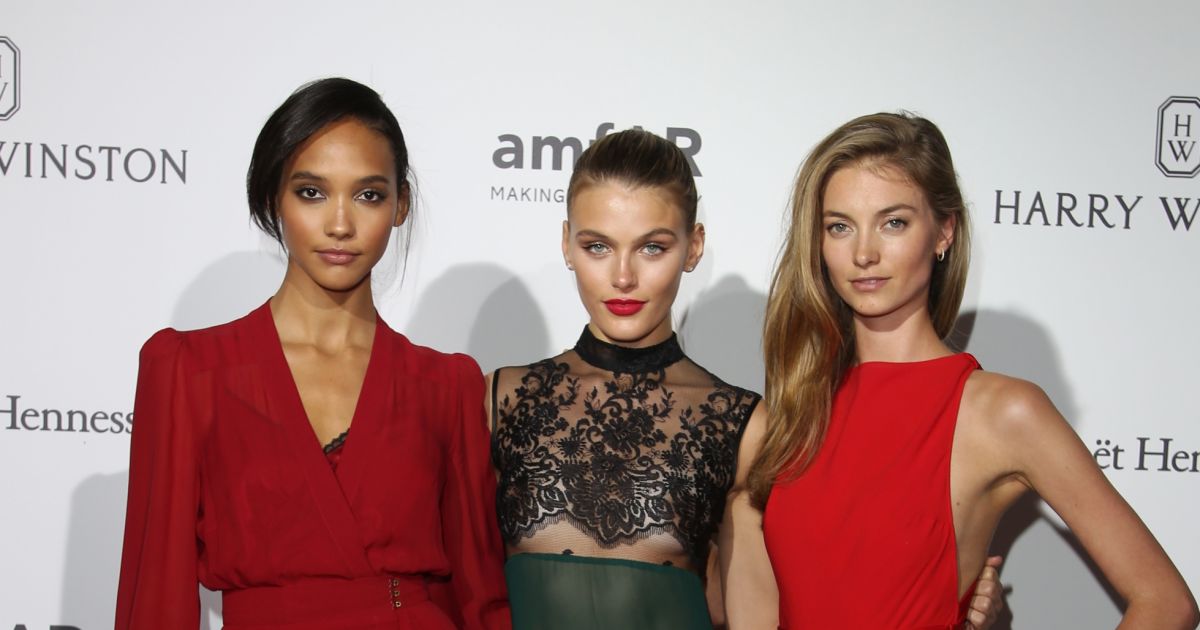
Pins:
x: 887, y: 460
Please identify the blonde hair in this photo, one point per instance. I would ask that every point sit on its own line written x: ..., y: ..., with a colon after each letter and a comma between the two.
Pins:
x: 808, y: 336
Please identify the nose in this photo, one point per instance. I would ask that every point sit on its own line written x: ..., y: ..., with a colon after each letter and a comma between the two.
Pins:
x: 339, y: 223
x: 624, y: 276
x: 866, y: 249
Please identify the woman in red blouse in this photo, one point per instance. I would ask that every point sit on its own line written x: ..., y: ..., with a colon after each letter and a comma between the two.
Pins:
x: 307, y: 460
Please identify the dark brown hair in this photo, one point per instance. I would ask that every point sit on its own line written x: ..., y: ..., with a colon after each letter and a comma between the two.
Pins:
x: 637, y: 158
x: 308, y: 110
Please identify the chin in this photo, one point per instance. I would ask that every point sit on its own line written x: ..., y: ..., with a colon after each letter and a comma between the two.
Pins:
x: 879, y: 310
x: 340, y: 285
x: 625, y: 329
x: 872, y: 308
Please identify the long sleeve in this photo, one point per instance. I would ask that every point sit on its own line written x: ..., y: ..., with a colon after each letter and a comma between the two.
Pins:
x: 158, y: 583
x: 470, y: 533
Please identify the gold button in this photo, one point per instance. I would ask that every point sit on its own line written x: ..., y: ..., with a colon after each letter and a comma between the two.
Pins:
x: 395, y: 581
x: 397, y: 603
x: 395, y: 593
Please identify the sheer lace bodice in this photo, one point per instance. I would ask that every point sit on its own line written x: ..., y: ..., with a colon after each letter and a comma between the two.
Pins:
x: 615, y: 452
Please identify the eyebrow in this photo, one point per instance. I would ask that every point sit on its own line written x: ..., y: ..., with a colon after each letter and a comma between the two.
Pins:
x: 891, y: 208
x: 310, y: 176
x: 602, y: 236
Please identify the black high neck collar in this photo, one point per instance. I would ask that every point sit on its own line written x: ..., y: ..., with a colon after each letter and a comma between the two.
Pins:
x: 616, y: 358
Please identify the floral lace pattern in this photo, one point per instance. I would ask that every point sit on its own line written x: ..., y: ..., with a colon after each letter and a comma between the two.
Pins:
x: 620, y: 461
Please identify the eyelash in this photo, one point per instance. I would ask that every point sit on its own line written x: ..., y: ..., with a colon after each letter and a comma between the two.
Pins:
x: 599, y: 248
x: 380, y: 195
x: 309, y: 193
x: 841, y: 228
x: 312, y: 193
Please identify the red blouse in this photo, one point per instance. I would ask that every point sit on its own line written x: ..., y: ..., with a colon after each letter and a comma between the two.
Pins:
x: 229, y: 487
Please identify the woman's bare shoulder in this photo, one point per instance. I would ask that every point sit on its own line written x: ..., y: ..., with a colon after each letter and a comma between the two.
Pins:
x: 1006, y: 406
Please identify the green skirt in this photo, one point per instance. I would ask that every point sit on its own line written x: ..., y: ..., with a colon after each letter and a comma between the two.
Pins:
x: 563, y: 592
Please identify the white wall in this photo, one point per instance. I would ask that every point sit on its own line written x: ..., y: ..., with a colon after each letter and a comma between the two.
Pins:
x: 1033, y: 97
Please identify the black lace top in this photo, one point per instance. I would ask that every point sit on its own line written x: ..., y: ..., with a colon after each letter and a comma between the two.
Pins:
x: 615, y: 452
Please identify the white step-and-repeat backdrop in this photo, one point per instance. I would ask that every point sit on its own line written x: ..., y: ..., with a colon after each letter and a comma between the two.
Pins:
x: 125, y: 130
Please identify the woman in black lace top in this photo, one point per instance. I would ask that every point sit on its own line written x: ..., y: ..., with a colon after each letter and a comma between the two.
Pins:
x: 615, y: 457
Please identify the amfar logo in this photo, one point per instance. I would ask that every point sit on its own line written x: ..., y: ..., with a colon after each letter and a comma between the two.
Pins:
x: 1178, y: 130
x: 10, y: 78
x: 560, y: 153
x: 512, y: 151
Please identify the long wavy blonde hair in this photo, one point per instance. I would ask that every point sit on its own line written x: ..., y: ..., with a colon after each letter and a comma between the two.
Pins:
x: 808, y: 333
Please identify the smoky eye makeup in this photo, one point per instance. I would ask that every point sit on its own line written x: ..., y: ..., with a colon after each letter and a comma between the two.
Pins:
x: 307, y: 192
x: 373, y: 196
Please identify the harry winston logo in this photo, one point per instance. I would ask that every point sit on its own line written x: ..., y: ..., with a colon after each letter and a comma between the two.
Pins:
x: 10, y: 78
x: 1178, y: 130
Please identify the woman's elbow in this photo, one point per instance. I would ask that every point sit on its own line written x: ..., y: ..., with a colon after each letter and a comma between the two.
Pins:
x: 1193, y: 613
x: 1188, y: 617
x: 1174, y: 610
x: 1189, y: 612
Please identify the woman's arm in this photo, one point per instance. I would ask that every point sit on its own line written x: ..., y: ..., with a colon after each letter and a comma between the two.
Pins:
x: 489, y: 394
x: 158, y: 586
x: 1047, y: 456
x: 470, y: 534
x: 751, y: 597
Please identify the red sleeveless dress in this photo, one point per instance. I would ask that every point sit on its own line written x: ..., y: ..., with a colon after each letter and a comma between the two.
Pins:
x: 864, y: 539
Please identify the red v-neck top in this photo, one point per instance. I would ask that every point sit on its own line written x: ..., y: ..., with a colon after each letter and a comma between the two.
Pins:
x: 864, y: 538
x: 229, y: 488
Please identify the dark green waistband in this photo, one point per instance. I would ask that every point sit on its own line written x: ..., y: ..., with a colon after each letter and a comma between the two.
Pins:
x: 599, y: 561
x: 557, y: 591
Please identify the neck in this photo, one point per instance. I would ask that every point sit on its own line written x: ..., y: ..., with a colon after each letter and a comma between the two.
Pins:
x: 903, y: 336
x: 627, y: 359
x: 307, y: 313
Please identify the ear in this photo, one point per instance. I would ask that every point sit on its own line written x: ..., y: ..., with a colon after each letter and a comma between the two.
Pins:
x: 566, y: 244
x: 403, y: 205
x: 946, y: 233
x: 695, y: 247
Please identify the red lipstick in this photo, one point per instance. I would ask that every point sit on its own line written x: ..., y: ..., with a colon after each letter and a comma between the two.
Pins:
x: 624, y: 308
